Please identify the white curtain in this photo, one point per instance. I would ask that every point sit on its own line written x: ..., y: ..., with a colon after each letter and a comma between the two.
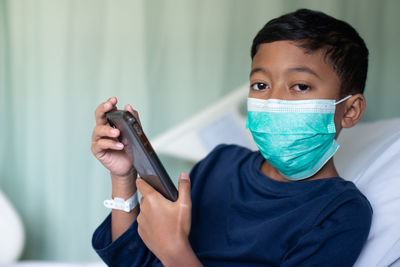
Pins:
x: 169, y: 59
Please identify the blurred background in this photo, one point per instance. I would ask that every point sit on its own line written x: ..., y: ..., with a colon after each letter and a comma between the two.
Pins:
x: 59, y: 59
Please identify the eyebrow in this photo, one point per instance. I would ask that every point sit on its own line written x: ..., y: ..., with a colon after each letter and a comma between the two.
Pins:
x: 304, y: 69
x: 294, y: 69
x: 255, y: 70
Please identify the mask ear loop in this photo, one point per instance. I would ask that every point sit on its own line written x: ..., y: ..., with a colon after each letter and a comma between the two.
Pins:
x: 344, y: 99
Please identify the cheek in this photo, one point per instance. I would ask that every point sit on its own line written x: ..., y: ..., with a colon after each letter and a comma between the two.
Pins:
x: 261, y: 94
x: 338, y: 121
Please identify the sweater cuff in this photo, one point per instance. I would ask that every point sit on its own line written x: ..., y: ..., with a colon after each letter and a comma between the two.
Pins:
x: 105, y: 248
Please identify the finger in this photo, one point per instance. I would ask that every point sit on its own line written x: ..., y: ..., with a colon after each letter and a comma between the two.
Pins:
x: 144, y: 188
x: 184, y: 189
x: 101, y: 131
x: 104, y: 144
x: 139, y: 218
x: 134, y: 112
x: 141, y: 227
x: 104, y: 107
x: 140, y: 222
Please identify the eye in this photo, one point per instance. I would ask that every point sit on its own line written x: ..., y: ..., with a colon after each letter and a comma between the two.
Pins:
x: 259, y: 86
x: 301, y: 87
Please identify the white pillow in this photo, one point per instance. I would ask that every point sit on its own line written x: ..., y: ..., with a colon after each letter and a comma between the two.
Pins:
x: 370, y: 157
x: 12, y: 234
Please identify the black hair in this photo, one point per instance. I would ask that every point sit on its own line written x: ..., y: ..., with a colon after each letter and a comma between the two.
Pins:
x: 343, y: 47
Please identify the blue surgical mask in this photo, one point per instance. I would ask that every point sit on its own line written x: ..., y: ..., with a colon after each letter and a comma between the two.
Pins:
x: 297, y: 137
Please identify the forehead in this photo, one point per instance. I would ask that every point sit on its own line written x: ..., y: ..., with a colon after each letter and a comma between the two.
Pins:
x: 282, y: 55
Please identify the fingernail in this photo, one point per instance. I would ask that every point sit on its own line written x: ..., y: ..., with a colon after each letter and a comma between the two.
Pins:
x: 184, y: 176
x: 106, y: 105
x: 120, y: 145
x: 114, y: 131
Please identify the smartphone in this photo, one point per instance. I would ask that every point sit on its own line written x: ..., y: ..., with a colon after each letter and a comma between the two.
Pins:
x: 141, y: 153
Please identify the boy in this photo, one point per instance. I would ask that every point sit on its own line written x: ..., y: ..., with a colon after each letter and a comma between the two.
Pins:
x: 284, y: 205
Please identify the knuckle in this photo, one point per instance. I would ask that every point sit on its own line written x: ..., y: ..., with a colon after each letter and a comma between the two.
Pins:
x: 100, y: 142
x: 151, y: 199
x: 98, y: 109
x: 144, y: 206
x: 138, y: 184
x: 103, y: 143
x: 153, y: 194
x: 99, y: 130
x: 92, y: 147
x: 185, y: 206
x: 93, y: 135
x: 140, y: 231
x: 96, y: 130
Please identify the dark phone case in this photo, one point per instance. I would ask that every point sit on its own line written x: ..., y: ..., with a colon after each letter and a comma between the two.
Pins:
x: 141, y: 153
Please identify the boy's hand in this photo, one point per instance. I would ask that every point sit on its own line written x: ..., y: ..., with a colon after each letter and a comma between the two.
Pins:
x: 105, y: 145
x: 164, y: 226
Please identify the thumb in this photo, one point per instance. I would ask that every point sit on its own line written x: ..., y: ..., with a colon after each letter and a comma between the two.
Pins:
x: 184, y: 189
x: 143, y: 187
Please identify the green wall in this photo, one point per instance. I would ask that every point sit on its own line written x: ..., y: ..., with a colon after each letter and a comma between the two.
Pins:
x: 169, y: 59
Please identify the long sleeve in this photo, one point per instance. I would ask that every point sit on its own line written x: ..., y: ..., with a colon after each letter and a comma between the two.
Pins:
x: 127, y: 250
x: 240, y: 217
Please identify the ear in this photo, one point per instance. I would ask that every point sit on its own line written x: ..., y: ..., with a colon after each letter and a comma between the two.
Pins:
x: 353, y: 110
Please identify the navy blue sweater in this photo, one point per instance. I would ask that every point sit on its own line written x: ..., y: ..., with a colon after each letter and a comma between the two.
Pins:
x: 240, y: 217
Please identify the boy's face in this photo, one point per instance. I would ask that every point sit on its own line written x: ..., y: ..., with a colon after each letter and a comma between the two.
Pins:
x: 282, y: 70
